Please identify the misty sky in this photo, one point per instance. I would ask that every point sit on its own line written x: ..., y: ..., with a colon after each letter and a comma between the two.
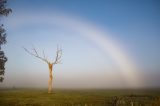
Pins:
x: 105, y: 43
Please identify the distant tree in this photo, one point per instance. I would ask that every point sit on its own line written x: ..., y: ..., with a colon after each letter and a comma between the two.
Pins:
x: 49, y: 63
x: 4, y: 11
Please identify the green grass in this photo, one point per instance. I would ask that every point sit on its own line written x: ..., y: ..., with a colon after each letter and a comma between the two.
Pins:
x: 40, y: 97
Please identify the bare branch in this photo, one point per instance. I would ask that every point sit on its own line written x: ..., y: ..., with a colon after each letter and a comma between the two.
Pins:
x: 44, y: 58
x: 35, y: 51
x: 58, y: 56
x: 36, y: 54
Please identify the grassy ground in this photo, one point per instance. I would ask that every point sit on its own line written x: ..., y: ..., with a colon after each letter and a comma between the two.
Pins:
x: 39, y: 97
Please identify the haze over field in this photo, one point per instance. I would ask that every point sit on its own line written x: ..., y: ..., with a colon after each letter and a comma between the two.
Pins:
x: 106, y: 44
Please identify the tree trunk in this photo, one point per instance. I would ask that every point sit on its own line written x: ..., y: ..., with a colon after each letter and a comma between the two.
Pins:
x: 50, y: 78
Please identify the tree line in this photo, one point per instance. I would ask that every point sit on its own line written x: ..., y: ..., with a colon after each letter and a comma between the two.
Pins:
x: 4, y: 11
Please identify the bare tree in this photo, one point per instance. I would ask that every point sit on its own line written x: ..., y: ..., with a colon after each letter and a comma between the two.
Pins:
x: 50, y: 64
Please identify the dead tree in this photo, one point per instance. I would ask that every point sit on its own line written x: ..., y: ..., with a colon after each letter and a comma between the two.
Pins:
x: 50, y: 64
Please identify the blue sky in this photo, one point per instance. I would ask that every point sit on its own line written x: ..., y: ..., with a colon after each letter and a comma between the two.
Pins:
x: 133, y: 24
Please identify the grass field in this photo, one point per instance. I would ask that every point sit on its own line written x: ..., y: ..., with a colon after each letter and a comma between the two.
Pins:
x: 40, y: 97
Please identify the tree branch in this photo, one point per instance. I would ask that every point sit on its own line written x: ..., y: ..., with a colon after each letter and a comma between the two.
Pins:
x: 44, y: 58
x: 36, y: 54
x: 58, y: 56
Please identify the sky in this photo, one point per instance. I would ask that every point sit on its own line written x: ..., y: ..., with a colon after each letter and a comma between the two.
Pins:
x: 105, y: 43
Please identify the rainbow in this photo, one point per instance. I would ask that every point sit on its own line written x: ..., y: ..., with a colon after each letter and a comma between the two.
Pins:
x: 96, y: 35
